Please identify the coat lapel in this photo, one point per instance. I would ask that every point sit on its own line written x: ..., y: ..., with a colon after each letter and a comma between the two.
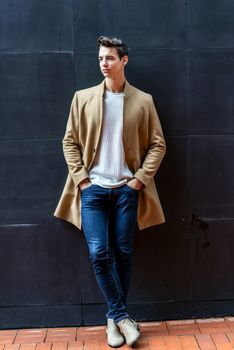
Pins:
x: 126, y: 111
x: 98, y: 112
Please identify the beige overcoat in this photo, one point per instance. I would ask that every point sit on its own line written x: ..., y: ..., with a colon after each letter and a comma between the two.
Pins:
x: 143, y: 143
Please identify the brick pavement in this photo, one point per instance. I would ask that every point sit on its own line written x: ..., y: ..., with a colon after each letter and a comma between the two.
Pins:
x: 198, y: 334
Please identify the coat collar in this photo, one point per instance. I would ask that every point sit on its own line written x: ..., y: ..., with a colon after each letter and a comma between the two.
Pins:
x: 127, y: 88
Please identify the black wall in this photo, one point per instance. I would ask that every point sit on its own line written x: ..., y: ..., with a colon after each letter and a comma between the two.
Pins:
x: 182, y: 53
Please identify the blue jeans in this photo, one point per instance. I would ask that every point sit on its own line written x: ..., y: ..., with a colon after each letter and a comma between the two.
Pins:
x: 109, y: 218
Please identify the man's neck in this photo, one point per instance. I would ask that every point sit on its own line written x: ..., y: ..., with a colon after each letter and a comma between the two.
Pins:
x: 115, y: 85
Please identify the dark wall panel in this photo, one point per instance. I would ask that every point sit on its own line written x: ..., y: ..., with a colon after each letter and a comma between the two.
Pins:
x: 36, y: 25
x: 211, y: 87
x: 162, y: 264
x: 36, y: 94
x: 135, y: 21
x: 34, y: 172
x: 213, y: 260
x: 41, y: 272
x: 40, y: 316
x: 210, y: 23
x: 87, y: 69
x: 211, y: 175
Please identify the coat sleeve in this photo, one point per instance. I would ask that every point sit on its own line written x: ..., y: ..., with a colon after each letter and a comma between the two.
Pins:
x: 156, y: 149
x: 71, y: 149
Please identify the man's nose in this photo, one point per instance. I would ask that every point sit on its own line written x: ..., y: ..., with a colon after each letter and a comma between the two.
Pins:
x: 104, y: 62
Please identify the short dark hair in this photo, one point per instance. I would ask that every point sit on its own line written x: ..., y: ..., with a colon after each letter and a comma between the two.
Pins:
x: 121, y: 46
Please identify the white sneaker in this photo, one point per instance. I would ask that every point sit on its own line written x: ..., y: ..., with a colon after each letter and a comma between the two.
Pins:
x: 114, y: 337
x: 129, y: 329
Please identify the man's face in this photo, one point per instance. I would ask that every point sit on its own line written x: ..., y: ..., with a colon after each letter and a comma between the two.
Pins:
x: 110, y: 64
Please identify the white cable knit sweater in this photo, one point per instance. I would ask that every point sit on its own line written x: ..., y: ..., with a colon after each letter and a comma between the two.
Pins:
x: 109, y: 168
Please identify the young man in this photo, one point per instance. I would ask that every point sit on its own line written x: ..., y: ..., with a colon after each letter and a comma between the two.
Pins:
x: 113, y: 146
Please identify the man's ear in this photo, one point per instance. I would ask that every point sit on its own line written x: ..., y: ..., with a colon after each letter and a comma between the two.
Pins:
x: 125, y: 59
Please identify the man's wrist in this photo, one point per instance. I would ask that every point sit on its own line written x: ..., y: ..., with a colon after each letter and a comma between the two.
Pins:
x: 136, y: 184
x: 84, y: 183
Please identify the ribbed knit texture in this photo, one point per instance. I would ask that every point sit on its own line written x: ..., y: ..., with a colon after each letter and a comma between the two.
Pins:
x: 109, y: 167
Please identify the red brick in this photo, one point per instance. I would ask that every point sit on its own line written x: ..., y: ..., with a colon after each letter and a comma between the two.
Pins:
x: 224, y: 347
x: 219, y: 338
x: 91, y: 344
x: 178, y: 327
x: 230, y: 322
x: 189, y: 342
x: 12, y: 347
x: 172, y: 342
x: 60, y: 346
x: 153, y: 328
x: 76, y: 345
x: 142, y: 344
x: 103, y: 345
x: 28, y: 347
x: 68, y: 334
x: 8, y: 332
x: 28, y: 340
x: 230, y: 336
x: 212, y: 325
x: 156, y: 343
x: 205, y: 342
x: 25, y: 336
x: 68, y: 330
x: 7, y: 338
x: 34, y: 331
x: 98, y: 332
x: 60, y: 339
x: 62, y: 330
x: 125, y: 347
x: 43, y: 346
